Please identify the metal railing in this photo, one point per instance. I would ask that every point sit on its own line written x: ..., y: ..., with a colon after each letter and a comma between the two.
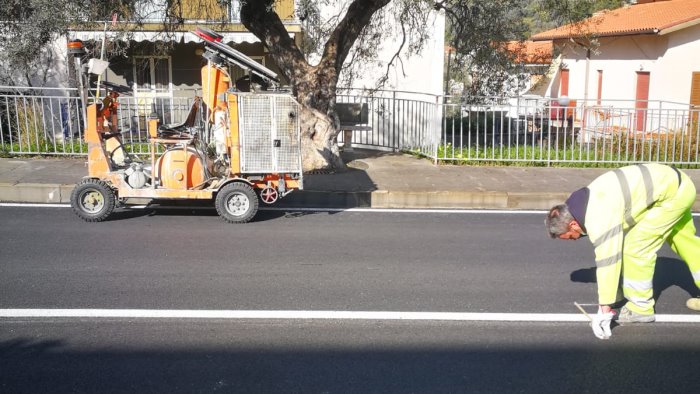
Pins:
x: 524, y: 130
x: 51, y: 121
x: 541, y: 132
x: 40, y: 121
x: 397, y: 120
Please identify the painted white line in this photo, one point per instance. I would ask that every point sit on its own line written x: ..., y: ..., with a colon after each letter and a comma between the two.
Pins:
x: 30, y: 205
x: 371, y: 210
x: 314, y: 315
x: 404, y: 210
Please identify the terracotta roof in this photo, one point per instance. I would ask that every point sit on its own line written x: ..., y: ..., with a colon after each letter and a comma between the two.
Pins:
x: 659, y: 17
x: 530, y: 52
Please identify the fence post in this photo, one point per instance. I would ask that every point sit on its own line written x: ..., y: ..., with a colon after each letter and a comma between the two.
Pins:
x: 393, y: 122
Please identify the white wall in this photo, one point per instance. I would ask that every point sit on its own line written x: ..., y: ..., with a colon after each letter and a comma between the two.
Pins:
x: 679, y: 62
x: 416, y: 73
x: 669, y: 59
x: 422, y: 72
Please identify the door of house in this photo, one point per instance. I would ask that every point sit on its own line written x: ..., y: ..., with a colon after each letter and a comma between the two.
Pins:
x: 564, y: 83
x: 641, y: 103
x: 599, y: 98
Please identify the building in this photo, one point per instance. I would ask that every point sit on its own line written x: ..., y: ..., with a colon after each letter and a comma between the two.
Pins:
x: 153, y: 74
x: 630, y: 56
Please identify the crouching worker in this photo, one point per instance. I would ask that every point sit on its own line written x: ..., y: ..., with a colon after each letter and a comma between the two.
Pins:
x: 627, y: 214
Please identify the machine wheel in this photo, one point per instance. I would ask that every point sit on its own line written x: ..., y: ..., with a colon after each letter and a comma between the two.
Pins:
x: 237, y: 203
x: 93, y: 200
x: 269, y: 195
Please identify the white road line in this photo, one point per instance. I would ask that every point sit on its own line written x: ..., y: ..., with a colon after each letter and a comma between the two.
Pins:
x: 29, y: 205
x: 372, y: 210
x: 404, y: 210
x: 314, y: 315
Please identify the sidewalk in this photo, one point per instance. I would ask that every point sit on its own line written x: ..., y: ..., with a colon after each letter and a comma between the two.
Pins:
x: 374, y: 179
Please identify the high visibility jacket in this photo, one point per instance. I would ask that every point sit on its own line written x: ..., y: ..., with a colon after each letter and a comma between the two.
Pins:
x: 616, y: 201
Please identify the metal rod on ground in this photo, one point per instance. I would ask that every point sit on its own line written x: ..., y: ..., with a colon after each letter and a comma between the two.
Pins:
x: 583, y: 311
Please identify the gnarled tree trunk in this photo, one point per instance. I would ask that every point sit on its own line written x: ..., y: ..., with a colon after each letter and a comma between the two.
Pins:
x: 313, y: 86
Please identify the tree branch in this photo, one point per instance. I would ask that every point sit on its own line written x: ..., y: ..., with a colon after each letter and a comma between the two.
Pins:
x: 345, y: 34
x: 259, y: 17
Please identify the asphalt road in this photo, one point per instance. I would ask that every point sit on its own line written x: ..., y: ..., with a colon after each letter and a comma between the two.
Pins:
x: 346, y: 261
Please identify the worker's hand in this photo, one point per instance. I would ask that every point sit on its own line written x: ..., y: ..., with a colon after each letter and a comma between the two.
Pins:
x: 600, y: 322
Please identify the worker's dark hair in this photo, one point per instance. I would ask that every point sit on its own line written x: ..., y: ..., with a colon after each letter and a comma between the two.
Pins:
x: 557, y: 220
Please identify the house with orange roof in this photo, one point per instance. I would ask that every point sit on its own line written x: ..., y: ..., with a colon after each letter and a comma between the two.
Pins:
x: 535, y: 57
x: 638, y: 56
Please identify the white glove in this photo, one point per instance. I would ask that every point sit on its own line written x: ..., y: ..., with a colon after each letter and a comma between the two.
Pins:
x: 600, y: 323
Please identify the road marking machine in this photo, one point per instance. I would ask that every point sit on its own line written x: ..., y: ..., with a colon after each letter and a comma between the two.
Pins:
x: 254, y: 151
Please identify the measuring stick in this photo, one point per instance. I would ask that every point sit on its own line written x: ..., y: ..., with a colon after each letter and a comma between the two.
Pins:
x: 583, y: 311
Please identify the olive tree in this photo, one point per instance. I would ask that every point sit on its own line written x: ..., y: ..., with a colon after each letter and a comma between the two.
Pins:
x: 335, y: 47
x: 346, y: 38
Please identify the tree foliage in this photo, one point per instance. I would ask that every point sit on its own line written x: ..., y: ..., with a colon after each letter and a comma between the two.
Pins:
x: 336, y: 47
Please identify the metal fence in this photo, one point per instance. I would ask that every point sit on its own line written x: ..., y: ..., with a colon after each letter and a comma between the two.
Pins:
x: 396, y: 120
x: 40, y: 121
x: 541, y: 132
x: 527, y: 130
x: 49, y: 121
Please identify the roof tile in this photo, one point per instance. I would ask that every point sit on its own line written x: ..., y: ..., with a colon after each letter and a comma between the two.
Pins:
x: 649, y: 18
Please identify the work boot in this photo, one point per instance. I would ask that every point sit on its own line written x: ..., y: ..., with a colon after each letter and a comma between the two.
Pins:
x: 626, y: 316
x: 693, y: 303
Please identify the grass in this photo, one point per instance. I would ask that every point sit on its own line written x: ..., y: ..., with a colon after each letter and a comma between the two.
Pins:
x: 678, y: 147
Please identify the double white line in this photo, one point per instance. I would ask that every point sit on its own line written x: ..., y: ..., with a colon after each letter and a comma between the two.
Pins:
x: 313, y: 315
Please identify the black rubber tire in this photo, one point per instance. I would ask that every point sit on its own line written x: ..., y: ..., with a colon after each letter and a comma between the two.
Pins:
x: 93, y: 200
x: 237, y: 203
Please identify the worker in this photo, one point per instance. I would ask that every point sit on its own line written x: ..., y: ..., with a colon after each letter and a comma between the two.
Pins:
x: 627, y: 214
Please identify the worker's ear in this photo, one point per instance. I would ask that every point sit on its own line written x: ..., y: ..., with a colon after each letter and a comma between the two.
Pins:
x: 573, y: 225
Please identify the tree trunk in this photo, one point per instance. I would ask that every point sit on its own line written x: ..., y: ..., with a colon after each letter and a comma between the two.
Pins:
x: 315, y: 91
x: 313, y: 86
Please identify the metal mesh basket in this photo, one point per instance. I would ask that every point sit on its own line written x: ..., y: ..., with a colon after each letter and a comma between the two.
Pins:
x: 269, y: 132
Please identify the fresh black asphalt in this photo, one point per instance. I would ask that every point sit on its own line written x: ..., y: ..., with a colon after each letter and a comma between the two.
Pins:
x: 353, y: 261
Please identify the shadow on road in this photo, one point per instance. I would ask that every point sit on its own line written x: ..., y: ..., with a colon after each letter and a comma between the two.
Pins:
x: 46, y: 366
x: 668, y: 272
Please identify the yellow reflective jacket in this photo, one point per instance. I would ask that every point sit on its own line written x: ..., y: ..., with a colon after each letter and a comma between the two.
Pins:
x: 618, y: 200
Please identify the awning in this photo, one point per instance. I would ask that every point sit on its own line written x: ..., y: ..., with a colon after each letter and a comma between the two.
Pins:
x: 152, y: 36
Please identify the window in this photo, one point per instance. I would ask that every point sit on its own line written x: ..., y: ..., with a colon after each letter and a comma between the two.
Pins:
x: 153, y: 74
x: 235, y: 11
x: 151, y: 10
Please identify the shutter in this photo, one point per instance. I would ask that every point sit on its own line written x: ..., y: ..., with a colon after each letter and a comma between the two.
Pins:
x: 600, y: 87
x: 695, y: 96
x: 642, y: 95
x: 564, y: 86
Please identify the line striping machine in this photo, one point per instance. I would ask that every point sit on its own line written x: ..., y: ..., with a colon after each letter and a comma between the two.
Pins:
x: 254, y: 154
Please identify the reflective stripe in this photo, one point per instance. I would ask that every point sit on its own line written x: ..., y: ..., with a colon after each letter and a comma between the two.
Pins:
x: 608, y: 235
x: 638, y: 285
x: 648, y: 184
x: 627, y: 194
x: 696, y: 276
x: 608, y: 260
x: 643, y: 303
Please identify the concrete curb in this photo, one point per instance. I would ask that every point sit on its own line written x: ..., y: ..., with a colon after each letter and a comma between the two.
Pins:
x: 41, y: 193
x: 60, y: 194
